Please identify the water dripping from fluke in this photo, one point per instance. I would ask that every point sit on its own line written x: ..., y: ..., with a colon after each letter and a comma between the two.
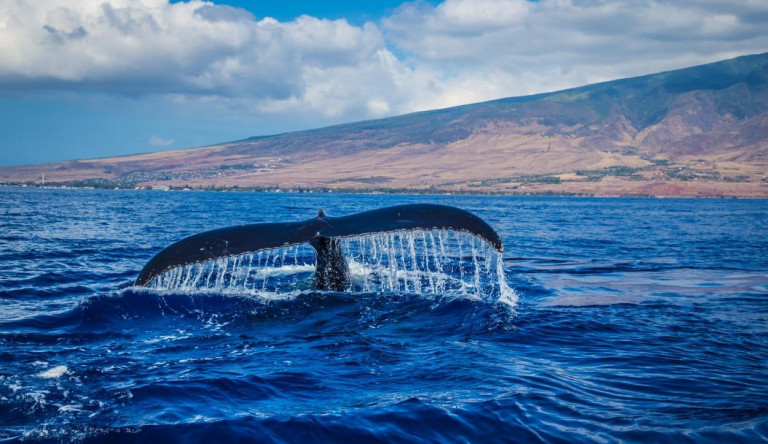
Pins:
x: 419, y: 249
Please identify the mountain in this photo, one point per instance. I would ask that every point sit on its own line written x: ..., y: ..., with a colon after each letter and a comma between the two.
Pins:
x: 699, y: 131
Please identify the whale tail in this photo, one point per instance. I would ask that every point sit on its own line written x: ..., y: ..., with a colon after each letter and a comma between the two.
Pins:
x: 322, y: 233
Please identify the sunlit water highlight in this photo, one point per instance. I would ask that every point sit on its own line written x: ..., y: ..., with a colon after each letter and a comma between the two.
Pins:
x: 627, y: 320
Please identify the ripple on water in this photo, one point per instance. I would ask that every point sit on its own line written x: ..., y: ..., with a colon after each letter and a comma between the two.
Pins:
x: 637, y: 321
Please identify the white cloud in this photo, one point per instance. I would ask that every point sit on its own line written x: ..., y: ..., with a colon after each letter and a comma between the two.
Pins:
x: 160, y: 142
x: 482, y: 49
x: 568, y: 33
x: 194, y: 48
x: 420, y: 57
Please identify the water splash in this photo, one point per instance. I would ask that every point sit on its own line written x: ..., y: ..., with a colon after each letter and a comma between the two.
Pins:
x: 265, y: 271
x: 433, y: 262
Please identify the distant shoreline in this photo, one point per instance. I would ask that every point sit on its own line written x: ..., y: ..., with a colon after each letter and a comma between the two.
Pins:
x: 413, y: 192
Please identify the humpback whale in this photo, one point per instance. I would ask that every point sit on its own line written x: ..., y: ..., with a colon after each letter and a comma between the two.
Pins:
x: 322, y: 233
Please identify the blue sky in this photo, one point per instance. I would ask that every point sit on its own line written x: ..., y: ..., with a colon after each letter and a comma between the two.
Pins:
x: 355, y: 11
x: 96, y: 78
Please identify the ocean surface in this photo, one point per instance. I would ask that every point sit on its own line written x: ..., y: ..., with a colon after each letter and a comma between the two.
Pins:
x: 605, y: 320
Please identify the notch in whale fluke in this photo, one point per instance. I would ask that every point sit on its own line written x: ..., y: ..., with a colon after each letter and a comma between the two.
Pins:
x: 321, y: 232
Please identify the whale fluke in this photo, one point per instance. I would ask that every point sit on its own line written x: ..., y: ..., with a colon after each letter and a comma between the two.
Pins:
x: 321, y: 232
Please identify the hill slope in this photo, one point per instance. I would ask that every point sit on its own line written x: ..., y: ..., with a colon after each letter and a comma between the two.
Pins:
x: 696, y: 131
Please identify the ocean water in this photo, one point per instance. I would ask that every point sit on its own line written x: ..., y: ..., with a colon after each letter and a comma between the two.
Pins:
x: 624, y: 320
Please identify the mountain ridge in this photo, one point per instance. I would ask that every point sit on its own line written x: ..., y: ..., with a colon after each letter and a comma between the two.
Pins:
x: 698, y: 131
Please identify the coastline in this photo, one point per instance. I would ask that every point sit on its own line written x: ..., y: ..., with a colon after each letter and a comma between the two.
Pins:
x: 401, y: 191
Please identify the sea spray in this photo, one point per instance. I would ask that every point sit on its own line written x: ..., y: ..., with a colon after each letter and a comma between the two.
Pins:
x: 431, y: 262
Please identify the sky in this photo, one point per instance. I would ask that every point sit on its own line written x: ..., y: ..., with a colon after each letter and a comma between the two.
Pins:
x: 99, y: 78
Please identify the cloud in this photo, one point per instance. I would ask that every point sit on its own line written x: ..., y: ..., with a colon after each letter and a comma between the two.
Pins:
x: 422, y: 56
x: 527, y: 47
x: 193, y: 48
x: 160, y: 142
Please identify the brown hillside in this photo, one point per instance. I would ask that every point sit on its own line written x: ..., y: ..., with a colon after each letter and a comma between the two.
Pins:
x: 700, y: 131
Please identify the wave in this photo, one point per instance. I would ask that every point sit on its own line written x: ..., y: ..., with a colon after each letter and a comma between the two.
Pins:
x: 412, y: 420
x: 138, y: 305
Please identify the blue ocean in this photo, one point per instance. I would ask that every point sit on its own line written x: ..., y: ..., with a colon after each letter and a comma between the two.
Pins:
x: 604, y: 320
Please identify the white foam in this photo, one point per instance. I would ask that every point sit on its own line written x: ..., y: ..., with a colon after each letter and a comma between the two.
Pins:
x: 54, y: 372
x: 167, y: 338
